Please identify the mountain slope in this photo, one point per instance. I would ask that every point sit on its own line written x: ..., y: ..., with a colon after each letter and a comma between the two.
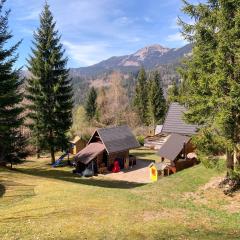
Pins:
x: 154, y: 57
x: 150, y: 57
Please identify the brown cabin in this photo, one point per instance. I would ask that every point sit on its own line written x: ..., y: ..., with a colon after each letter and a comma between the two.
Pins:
x: 178, y: 145
x: 174, y: 152
x: 107, y: 145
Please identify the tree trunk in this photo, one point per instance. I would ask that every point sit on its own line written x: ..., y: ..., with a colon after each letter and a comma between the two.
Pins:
x: 38, y: 152
x: 52, y: 155
x: 230, y: 161
x: 237, y: 157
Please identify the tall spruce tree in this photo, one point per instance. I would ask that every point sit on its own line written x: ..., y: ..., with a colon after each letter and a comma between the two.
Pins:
x: 11, y: 141
x: 49, y: 88
x: 141, y: 96
x: 156, y: 100
x: 212, y: 74
x: 91, y: 104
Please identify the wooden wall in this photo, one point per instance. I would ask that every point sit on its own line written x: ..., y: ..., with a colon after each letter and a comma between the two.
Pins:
x: 189, y: 147
x: 113, y: 156
x: 78, y: 146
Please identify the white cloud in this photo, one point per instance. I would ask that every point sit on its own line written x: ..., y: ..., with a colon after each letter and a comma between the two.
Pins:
x: 133, y: 39
x: 177, y: 37
x: 148, y: 20
x: 174, y: 24
x: 34, y: 15
x: 27, y: 31
x: 123, y: 20
x: 87, y: 54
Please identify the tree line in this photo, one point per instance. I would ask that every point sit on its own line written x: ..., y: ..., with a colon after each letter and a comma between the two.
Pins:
x: 111, y: 105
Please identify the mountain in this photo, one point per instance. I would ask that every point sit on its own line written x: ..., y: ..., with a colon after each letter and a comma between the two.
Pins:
x: 154, y: 57
x: 151, y: 57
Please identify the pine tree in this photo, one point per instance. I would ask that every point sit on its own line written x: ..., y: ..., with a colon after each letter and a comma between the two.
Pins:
x: 212, y: 74
x: 49, y: 88
x: 173, y: 93
x: 141, y: 99
x: 91, y: 104
x: 11, y: 141
x: 156, y: 100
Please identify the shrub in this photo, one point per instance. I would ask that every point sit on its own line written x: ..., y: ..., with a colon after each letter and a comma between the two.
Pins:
x: 141, y: 140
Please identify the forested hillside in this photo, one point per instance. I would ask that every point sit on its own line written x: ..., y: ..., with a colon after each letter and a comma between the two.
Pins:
x: 154, y: 57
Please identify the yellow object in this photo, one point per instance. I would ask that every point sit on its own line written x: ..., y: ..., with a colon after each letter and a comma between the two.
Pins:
x: 153, y: 173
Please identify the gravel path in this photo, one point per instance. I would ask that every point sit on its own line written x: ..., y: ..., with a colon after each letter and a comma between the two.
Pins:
x: 138, y: 174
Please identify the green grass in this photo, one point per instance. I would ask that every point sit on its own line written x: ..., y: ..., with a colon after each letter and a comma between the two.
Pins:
x: 39, y: 202
x: 145, y: 154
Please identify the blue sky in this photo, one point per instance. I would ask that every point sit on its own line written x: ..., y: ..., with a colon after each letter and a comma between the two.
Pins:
x: 93, y: 30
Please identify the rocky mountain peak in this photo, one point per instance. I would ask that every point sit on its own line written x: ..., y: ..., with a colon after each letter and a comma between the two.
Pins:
x: 151, y: 57
x: 149, y: 50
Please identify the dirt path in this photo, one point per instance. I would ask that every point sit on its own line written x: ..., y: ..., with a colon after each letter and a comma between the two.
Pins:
x: 139, y: 173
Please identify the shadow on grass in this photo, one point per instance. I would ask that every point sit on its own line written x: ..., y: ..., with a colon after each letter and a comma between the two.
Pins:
x: 70, y: 177
x: 2, y: 190
x: 17, y: 190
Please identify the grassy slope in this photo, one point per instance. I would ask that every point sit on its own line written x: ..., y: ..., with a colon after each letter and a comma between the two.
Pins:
x: 39, y: 202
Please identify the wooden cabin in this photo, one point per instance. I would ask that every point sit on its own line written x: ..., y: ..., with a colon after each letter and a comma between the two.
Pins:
x: 175, y: 123
x: 107, y: 145
x: 174, y: 152
x: 178, y: 145
x: 77, y: 144
x: 155, y: 142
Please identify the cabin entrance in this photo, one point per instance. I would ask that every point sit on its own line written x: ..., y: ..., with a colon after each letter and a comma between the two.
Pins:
x: 105, y: 158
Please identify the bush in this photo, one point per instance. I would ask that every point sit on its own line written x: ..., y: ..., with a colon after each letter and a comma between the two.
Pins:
x: 212, y: 162
x: 141, y: 140
x: 86, y: 137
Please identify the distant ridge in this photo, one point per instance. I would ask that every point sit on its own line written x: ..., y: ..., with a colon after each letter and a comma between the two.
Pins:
x: 153, y: 57
x: 150, y: 57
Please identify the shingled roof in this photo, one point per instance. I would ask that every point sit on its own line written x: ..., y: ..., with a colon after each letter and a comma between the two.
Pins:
x: 117, y: 139
x: 173, y: 146
x: 89, y: 152
x: 174, y: 122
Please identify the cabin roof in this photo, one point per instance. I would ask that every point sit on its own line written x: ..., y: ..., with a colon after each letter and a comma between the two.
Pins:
x: 173, y: 146
x: 117, y: 139
x: 90, y: 152
x: 174, y: 122
x: 75, y: 140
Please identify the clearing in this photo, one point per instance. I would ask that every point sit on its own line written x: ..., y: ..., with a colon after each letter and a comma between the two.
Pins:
x: 39, y: 202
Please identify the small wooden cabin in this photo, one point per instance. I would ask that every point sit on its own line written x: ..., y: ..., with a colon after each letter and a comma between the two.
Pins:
x: 174, y: 152
x: 178, y: 144
x: 77, y: 144
x: 107, y: 145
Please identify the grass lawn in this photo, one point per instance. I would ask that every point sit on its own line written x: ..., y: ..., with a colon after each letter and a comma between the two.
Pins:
x: 145, y: 154
x: 39, y: 202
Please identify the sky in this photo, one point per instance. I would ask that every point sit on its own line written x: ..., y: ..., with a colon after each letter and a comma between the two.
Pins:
x: 94, y: 30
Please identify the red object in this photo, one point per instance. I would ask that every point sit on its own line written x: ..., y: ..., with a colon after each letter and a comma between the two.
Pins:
x: 116, y: 167
x: 173, y: 169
